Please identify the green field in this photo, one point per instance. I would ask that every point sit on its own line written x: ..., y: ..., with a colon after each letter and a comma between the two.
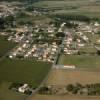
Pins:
x: 25, y: 17
x: 5, y: 46
x: 25, y: 71
x: 60, y: 3
x: 80, y: 7
x: 81, y: 61
x: 6, y: 94
x: 21, y: 71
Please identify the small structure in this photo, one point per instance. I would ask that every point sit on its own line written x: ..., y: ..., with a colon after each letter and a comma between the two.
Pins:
x: 23, y: 88
x: 70, y: 66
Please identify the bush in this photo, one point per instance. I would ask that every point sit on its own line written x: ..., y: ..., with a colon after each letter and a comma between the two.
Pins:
x: 70, y: 87
x: 43, y: 90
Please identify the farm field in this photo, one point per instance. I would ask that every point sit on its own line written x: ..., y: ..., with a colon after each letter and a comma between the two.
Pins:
x: 27, y: 17
x: 57, y: 3
x: 25, y: 71
x: 5, y: 46
x: 62, y: 77
x: 84, y: 7
x: 81, y: 61
x: 6, y: 94
x: 61, y: 97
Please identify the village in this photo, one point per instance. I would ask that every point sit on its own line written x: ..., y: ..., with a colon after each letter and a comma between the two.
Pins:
x: 49, y: 49
x: 46, y: 42
x: 45, y: 45
x: 42, y: 41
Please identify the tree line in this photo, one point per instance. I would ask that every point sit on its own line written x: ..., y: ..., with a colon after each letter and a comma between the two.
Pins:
x: 71, y: 17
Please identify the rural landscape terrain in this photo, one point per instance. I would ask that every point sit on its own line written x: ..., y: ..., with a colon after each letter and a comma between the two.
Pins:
x: 49, y: 50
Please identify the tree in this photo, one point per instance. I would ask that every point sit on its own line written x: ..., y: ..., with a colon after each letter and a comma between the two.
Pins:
x: 70, y: 87
x: 2, y: 23
x: 60, y: 34
x: 43, y: 90
x: 29, y: 8
x: 98, y: 52
x: 9, y: 20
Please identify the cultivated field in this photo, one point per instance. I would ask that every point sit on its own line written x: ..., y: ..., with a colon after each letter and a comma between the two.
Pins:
x: 63, y: 77
x: 84, y: 7
x: 60, y: 4
x: 25, y: 71
x: 61, y: 97
x: 81, y: 61
x: 5, y: 46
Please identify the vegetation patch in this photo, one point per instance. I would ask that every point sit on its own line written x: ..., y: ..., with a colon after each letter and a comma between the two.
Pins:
x: 5, y: 46
x: 6, y: 94
x: 76, y: 89
x: 88, y: 89
x: 80, y: 61
x: 23, y: 71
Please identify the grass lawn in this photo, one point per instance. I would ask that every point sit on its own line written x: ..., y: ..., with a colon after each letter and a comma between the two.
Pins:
x: 25, y: 71
x: 81, y: 61
x: 6, y: 94
x: 5, y: 46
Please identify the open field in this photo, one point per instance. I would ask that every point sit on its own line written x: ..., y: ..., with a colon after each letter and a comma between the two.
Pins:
x: 81, y: 61
x: 25, y: 71
x: 5, y: 46
x: 27, y: 17
x: 84, y: 7
x: 60, y: 4
x: 6, y: 94
x: 61, y: 77
x: 61, y: 97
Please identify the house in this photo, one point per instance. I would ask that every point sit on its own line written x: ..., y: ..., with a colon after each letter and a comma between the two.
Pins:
x: 63, y: 24
x: 85, y: 38
x: 81, y: 44
x: 96, y: 24
x: 23, y: 88
x: 50, y: 30
x: 10, y: 56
